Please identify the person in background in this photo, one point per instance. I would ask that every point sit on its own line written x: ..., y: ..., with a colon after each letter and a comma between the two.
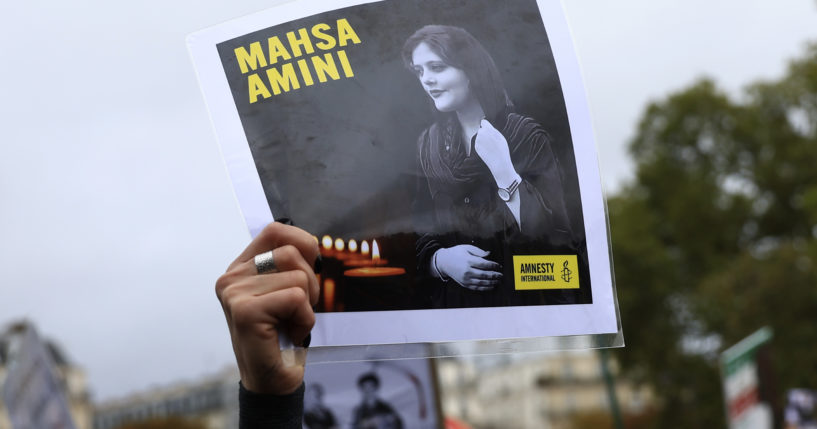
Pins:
x: 373, y: 412
x: 269, y: 290
x: 316, y: 414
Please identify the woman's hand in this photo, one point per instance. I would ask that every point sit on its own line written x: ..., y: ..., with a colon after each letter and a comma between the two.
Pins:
x: 492, y: 148
x: 466, y: 265
x: 260, y: 306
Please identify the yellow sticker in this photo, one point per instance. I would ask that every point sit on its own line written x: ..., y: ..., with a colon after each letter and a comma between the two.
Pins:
x: 532, y: 272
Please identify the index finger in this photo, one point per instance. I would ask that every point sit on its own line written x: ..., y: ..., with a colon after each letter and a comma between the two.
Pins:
x: 276, y: 235
x: 485, y: 264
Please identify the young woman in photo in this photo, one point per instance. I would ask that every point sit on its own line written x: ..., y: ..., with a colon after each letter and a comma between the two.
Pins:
x: 489, y: 184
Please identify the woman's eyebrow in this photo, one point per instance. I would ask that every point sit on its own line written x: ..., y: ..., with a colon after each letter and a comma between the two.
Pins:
x: 429, y: 62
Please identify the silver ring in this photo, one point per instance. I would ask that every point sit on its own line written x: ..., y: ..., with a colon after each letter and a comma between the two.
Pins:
x: 264, y: 263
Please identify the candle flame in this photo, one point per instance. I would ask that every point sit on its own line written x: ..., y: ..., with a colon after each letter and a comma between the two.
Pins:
x: 339, y: 244
x: 375, y: 251
x: 327, y: 242
x: 352, y: 245
x: 364, y: 247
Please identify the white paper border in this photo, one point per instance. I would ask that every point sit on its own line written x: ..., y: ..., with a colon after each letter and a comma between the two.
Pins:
x: 443, y: 325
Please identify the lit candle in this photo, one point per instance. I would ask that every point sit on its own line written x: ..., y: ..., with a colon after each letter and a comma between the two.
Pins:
x: 368, y: 284
x: 365, y: 262
x: 326, y: 247
x: 375, y: 272
x: 329, y: 295
x: 370, y: 268
x: 340, y: 254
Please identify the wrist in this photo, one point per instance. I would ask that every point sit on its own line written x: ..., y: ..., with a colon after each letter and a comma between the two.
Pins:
x: 507, y: 180
x: 507, y: 189
x: 435, y: 269
x: 505, y: 175
x: 270, y: 382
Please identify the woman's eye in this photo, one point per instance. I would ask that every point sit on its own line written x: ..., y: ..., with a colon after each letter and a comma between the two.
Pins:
x: 438, y: 67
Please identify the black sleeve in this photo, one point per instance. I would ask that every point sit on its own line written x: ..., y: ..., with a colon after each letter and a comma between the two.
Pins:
x: 543, y: 209
x: 261, y: 411
x: 424, y: 219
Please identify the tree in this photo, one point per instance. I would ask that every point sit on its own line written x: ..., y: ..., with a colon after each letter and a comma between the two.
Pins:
x: 715, y: 237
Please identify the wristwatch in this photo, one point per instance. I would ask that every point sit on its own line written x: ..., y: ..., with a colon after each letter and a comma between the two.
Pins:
x: 506, y: 193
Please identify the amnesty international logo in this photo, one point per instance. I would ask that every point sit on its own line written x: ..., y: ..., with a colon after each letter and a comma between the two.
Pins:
x: 566, y: 272
x: 533, y: 272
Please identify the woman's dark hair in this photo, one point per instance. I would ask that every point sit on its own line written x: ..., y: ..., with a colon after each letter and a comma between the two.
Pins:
x: 458, y: 48
x: 369, y: 377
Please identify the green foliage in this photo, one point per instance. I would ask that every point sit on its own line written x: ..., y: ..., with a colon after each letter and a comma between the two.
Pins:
x: 715, y: 238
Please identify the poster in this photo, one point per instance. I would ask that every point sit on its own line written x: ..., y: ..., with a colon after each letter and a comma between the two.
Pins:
x: 378, y: 393
x: 441, y: 152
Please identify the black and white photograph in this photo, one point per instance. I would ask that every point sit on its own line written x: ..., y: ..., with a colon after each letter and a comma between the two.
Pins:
x: 378, y: 394
x: 427, y: 146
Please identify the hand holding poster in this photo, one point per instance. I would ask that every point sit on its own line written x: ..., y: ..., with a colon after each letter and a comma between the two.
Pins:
x: 440, y: 151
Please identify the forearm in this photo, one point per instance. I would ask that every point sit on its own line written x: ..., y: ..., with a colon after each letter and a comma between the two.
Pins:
x: 509, y: 183
x: 515, y: 207
x: 435, y: 268
x: 427, y: 246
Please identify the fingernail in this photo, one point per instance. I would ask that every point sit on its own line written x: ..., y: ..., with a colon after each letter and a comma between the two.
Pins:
x: 285, y: 221
x: 318, y: 264
x: 307, y: 340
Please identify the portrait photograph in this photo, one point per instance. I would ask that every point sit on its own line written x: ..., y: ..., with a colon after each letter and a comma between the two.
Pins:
x: 371, y: 395
x: 427, y: 146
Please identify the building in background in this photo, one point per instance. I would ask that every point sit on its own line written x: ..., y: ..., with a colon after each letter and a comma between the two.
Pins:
x: 503, y: 391
x: 500, y: 391
x: 211, y: 401
x: 70, y: 377
x: 532, y: 391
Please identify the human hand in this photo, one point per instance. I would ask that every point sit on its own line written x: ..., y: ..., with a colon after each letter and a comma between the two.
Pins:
x: 260, y: 307
x: 466, y: 265
x: 492, y: 148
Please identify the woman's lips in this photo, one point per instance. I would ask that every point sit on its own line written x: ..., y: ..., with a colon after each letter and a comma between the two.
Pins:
x: 434, y: 93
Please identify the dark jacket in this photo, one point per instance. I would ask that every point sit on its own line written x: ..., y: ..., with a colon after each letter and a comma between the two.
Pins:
x: 457, y: 203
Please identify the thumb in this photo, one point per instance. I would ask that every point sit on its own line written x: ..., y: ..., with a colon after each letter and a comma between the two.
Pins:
x: 485, y: 124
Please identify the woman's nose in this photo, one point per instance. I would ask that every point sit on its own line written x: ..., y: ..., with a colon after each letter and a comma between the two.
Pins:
x: 428, y: 79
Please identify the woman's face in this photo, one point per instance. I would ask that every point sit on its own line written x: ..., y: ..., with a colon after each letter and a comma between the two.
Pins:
x: 447, y: 86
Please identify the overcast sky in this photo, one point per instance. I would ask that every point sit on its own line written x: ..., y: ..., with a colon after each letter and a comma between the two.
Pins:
x: 116, y: 213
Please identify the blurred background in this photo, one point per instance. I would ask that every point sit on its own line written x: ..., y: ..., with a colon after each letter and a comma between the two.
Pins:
x: 117, y: 216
